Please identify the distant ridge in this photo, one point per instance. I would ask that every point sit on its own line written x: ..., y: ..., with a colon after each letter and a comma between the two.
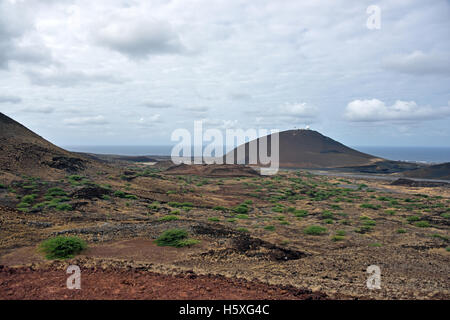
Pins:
x: 310, y: 149
x: 438, y: 171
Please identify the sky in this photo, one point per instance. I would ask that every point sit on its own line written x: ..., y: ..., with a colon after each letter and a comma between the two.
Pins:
x: 131, y: 72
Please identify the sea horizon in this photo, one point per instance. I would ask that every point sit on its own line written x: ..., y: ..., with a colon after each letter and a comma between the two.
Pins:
x: 399, y: 153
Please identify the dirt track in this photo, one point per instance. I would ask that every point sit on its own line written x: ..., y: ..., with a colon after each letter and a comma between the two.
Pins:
x: 25, y: 283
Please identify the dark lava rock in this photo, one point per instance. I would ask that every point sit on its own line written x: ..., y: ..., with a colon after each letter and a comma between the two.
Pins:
x: 421, y: 184
x: 68, y: 164
x: 91, y: 192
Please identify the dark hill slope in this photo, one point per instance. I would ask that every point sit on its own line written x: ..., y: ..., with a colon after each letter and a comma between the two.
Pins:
x: 310, y: 149
x: 24, y: 152
x: 438, y: 171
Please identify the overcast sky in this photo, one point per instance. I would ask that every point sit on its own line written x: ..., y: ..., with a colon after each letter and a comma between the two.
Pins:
x: 130, y: 72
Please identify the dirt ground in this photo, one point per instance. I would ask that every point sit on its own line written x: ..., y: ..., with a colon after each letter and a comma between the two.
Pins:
x: 25, y: 283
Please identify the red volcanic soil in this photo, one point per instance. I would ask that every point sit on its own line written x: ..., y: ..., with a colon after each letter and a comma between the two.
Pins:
x: 25, y: 283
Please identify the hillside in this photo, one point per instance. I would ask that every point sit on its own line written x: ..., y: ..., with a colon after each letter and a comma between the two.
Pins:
x: 24, y: 152
x: 310, y: 149
x: 438, y: 171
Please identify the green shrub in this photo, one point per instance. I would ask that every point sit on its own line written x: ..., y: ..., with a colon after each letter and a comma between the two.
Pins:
x: 242, y: 208
x: 243, y: 230
x: 63, y: 207
x: 168, y: 218
x: 337, y: 238
x: 328, y: 221
x: 401, y: 231
x: 390, y: 212
x: 214, y: 219
x: 270, y: 228
x: 327, y: 215
x: 62, y: 247
x: 242, y: 216
x: 231, y: 219
x: 315, y: 230
x: 175, y: 238
x: 130, y: 196
x: 154, y: 206
x: 376, y: 244
x: 340, y: 233
x: 53, y: 192
x: 440, y: 236
x: 422, y: 224
x: 219, y: 208
x: 413, y: 218
x: 119, y: 194
x: 300, y: 213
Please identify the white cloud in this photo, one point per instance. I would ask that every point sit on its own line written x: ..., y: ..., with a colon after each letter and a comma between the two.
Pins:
x: 157, y: 105
x: 39, y: 109
x: 375, y: 110
x: 197, y: 109
x: 298, y: 110
x: 80, y: 121
x: 148, y: 121
x: 10, y: 99
x: 138, y: 35
x: 419, y: 63
x: 61, y: 77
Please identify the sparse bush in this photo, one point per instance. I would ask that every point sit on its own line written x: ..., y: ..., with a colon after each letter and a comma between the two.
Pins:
x: 243, y: 230
x: 337, y: 238
x: 376, y: 244
x: 168, y: 218
x: 242, y: 208
x: 300, y: 213
x: 413, y: 218
x: 63, y: 207
x: 119, y: 194
x: 56, y: 192
x: 175, y: 238
x: 327, y: 215
x: 422, y: 224
x: 390, y: 212
x: 315, y: 230
x: 154, y: 206
x: 62, y: 247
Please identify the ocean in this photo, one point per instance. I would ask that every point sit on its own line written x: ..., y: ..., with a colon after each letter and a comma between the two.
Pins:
x: 414, y: 154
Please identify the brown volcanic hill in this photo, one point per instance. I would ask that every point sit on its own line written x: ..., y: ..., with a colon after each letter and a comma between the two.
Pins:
x: 310, y: 149
x: 24, y: 152
x: 438, y: 171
